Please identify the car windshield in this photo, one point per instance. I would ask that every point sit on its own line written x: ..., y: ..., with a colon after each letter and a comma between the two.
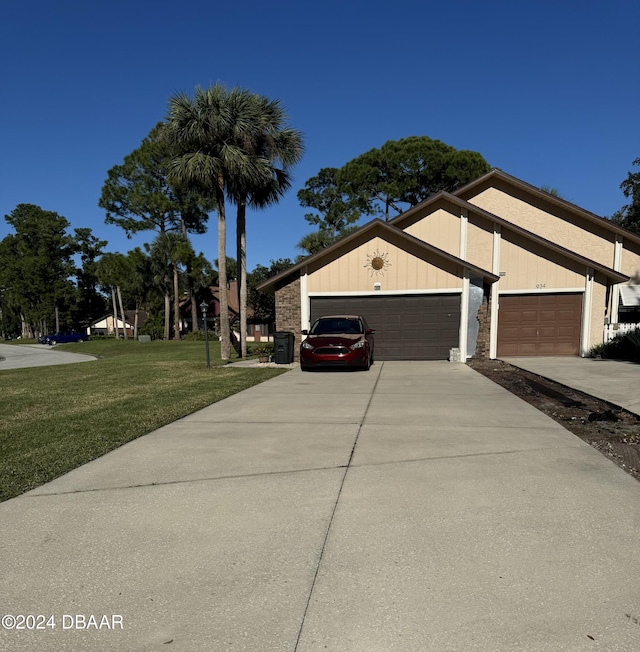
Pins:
x: 336, y: 325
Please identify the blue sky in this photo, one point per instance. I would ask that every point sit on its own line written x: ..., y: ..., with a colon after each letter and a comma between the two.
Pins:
x: 546, y: 90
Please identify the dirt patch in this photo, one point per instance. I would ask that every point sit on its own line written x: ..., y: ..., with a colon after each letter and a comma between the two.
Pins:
x: 612, y: 430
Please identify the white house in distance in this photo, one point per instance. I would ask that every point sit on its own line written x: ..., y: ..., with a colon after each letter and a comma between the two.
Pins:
x: 497, y: 268
x: 104, y: 326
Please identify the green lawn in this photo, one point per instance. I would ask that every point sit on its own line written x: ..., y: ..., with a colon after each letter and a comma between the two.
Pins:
x: 57, y: 418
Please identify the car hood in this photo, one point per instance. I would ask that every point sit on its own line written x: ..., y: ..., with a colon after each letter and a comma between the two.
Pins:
x: 346, y: 339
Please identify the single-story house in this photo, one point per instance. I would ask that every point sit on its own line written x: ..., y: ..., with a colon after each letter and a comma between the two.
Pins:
x: 104, y: 325
x: 497, y: 268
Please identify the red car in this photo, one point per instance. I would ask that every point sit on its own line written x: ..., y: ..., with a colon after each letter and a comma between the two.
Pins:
x: 337, y: 341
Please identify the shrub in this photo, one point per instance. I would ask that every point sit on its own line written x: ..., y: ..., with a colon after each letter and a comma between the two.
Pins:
x: 622, y: 347
x: 262, y: 350
x: 195, y: 337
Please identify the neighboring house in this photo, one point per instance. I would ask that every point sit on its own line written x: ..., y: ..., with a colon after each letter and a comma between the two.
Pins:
x: 104, y: 325
x: 256, y: 330
x: 498, y: 268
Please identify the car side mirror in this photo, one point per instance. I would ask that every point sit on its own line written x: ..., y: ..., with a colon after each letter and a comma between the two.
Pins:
x: 304, y: 332
x: 370, y: 331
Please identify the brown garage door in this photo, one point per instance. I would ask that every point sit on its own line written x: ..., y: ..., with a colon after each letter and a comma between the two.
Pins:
x: 539, y: 324
x: 408, y: 327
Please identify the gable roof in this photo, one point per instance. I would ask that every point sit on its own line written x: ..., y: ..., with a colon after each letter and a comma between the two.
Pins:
x: 128, y: 321
x: 400, y: 222
x: 390, y: 231
x: 467, y: 191
x: 211, y: 294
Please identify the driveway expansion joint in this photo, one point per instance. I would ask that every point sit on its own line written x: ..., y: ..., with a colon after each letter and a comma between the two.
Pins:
x: 579, y: 444
x: 335, y: 507
x: 189, y: 481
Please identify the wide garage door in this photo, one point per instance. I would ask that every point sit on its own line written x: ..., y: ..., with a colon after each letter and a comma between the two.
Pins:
x: 408, y: 327
x: 539, y: 324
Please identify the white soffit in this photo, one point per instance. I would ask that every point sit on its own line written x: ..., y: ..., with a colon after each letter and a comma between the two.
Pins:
x: 630, y: 295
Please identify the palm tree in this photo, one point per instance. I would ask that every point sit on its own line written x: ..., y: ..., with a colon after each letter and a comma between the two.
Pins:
x: 211, y: 130
x: 275, y: 148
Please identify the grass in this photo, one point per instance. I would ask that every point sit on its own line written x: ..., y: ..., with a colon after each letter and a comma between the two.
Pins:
x: 57, y: 418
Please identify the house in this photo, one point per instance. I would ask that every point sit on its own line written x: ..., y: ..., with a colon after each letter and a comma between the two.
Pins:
x: 104, y: 325
x: 497, y: 268
x: 256, y: 330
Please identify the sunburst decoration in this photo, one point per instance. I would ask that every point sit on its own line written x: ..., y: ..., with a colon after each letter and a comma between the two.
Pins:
x: 377, y: 263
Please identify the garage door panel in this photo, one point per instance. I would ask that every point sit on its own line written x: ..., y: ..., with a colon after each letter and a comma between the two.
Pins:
x: 408, y: 327
x: 539, y: 325
x: 525, y: 349
x: 548, y: 315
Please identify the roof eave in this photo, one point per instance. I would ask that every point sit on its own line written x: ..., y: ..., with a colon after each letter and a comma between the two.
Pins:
x: 269, y: 284
x: 557, y: 201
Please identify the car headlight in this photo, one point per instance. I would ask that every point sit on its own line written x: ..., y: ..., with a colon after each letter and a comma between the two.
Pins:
x: 357, y: 345
x: 306, y: 345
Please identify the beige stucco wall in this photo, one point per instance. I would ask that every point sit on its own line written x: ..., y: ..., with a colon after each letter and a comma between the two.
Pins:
x: 352, y: 271
x: 480, y: 242
x: 529, y: 266
x: 631, y: 260
x: 440, y: 229
x: 584, y: 237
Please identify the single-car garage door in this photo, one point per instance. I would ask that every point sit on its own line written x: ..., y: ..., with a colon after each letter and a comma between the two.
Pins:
x: 539, y: 324
x: 408, y: 327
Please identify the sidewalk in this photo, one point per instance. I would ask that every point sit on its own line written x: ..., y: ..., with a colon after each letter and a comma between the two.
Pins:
x: 417, y: 506
x: 612, y: 380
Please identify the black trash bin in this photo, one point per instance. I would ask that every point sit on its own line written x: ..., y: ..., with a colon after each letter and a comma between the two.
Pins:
x: 283, y: 347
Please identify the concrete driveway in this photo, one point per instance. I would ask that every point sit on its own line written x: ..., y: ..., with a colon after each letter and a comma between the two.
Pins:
x: 417, y: 506
x: 612, y: 380
x: 19, y: 356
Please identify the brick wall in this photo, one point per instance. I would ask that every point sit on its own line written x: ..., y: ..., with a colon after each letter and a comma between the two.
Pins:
x: 484, y: 333
x: 288, y: 314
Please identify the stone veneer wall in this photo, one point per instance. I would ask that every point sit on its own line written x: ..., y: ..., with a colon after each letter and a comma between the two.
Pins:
x: 288, y: 314
x: 484, y: 334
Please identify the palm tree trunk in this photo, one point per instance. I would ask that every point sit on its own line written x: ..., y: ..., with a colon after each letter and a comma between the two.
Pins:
x: 194, y: 308
x: 225, y: 338
x: 167, y: 314
x: 176, y: 302
x: 192, y: 294
x: 124, y: 322
x: 241, y: 242
x: 115, y: 312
